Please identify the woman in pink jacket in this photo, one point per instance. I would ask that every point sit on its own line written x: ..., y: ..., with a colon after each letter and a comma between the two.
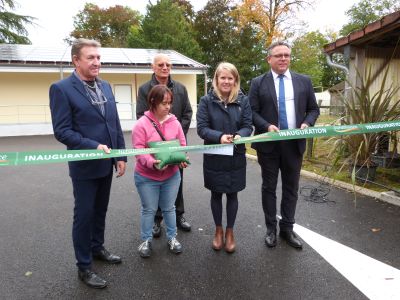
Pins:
x: 157, y: 187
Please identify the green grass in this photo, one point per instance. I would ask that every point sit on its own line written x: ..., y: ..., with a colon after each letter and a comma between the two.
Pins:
x: 326, y: 119
x: 321, y: 164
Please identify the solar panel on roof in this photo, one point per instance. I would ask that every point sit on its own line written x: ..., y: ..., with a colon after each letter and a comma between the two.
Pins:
x: 60, y: 54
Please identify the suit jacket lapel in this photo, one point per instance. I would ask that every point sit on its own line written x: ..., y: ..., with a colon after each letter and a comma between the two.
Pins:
x: 271, y: 88
x: 79, y: 87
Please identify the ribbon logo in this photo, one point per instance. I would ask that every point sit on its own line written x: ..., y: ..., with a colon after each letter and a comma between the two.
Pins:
x: 4, y: 159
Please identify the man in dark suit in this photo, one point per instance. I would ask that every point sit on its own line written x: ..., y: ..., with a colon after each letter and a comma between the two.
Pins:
x: 84, y: 116
x: 281, y: 99
x: 182, y: 110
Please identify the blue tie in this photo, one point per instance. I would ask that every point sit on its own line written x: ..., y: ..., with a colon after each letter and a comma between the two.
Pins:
x: 282, y: 106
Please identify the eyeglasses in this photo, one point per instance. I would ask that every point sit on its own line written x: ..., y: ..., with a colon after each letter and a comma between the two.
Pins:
x: 278, y: 56
x: 100, y: 99
x: 164, y: 64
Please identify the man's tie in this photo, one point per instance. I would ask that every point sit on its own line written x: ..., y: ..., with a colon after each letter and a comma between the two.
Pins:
x: 282, y: 106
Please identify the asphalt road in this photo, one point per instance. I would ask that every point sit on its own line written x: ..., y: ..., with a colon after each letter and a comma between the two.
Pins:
x: 37, y: 260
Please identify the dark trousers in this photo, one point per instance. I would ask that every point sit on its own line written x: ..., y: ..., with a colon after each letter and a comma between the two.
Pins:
x: 286, y: 158
x: 179, y: 205
x: 91, y: 203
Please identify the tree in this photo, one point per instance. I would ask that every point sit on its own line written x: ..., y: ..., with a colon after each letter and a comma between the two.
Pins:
x: 308, y: 58
x: 367, y: 11
x: 272, y: 19
x: 165, y: 27
x: 12, y: 26
x: 247, y: 55
x: 110, y: 26
x: 332, y: 76
x: 214, y: 29
x: 187, y: 9
x: 221, y: 39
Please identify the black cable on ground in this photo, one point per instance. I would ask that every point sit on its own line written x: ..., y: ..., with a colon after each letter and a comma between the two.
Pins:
x: 316, y: 194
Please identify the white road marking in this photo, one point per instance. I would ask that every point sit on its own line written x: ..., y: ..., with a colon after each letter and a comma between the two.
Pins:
x: 373, y: 278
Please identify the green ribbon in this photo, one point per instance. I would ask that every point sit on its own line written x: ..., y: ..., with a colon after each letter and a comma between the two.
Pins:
x: 56, y: 156
x: 42, y: 157
x: 321, y: 131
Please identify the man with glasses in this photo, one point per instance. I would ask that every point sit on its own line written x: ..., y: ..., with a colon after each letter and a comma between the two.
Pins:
x: 281, y: 99
x: 84, y: 116
x: 182, y: 109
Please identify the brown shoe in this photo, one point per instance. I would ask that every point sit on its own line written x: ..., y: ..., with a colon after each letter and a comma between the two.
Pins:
x: 229, y: 241
x: 218, y: 241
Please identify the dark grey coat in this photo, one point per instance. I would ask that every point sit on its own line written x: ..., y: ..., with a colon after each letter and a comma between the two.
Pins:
x: 222, y: 173
x: 181, y: 107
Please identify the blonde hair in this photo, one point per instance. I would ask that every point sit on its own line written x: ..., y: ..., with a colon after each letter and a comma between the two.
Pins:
x: 231, y: 69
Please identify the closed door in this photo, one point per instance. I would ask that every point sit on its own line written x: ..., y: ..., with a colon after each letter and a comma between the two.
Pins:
x: 123, y: 97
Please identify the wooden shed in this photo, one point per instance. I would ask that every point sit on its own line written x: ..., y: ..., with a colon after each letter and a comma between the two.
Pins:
x: 375, y: 47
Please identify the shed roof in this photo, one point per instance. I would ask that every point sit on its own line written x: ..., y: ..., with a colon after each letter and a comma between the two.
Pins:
x: 124, y: 58
x: 337, y: 88
x: 383, y: 33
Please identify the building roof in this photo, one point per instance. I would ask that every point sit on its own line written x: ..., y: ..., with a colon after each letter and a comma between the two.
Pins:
x: 25, y: 56
x: 383, y: 33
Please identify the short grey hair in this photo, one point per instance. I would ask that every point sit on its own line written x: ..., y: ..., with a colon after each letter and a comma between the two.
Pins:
x: 276, y: 44
x: 78, y: 44
x: 159, y: 56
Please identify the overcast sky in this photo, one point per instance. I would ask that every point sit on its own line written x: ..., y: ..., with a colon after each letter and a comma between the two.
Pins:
x: 55, y: 17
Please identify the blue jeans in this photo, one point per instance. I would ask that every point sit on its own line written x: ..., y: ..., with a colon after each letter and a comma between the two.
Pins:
x: 154, y: 194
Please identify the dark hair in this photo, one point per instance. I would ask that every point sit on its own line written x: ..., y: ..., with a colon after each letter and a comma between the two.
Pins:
x: 276, y: 44
x: 156, y: 96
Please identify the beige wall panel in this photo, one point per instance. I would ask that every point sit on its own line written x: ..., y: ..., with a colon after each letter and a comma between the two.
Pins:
x: 26, y: 88
x: 24, y: 97
x: 124, y: 79
x: 190, y: 82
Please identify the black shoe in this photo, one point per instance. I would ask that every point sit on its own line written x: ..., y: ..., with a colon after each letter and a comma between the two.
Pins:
x: 270, y: 238
x: 157, y: 229
x: 182, y: 224
x: 106, y: 256
x: 91, y: 279
x: 291, y: 238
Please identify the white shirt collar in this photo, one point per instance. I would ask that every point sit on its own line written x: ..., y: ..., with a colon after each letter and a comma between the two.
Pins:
x: 287, y: 74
